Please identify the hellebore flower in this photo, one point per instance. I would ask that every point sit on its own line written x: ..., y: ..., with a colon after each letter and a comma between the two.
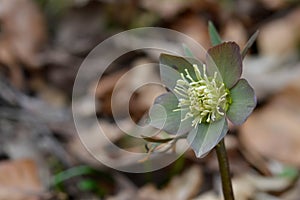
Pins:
x: 203, y: 96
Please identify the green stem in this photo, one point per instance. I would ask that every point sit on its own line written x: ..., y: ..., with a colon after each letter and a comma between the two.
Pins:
x: 224, y: 171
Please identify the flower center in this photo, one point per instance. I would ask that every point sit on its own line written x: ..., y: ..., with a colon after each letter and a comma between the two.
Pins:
x: 205, y: 99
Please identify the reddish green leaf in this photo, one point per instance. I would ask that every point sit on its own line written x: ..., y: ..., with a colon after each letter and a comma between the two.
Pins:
x: 163, y: 116
x: 206, y: 136
x: 226, y: 60
x: 243, y: 102
x: 171, y: 66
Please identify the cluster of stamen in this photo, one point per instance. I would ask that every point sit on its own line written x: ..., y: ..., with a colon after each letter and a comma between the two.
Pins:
x: 205, y: 98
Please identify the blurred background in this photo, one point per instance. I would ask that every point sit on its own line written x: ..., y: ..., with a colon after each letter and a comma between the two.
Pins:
x: 44, y: 42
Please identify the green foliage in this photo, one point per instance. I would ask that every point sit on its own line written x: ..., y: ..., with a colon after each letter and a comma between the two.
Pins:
x: 187, y: 51
x: 289, y: 172
x: 214, y: 35
x: 91, y: 180
x: 249, y: 44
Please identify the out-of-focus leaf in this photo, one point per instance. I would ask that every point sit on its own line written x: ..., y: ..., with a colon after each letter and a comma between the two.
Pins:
x: 23, y: 32
x: 249, y: 43
x: 88, y: 185
x: 280, y: 37
x: 235, y: 30
x: 184, y: 186
x: 187, y: 51
x: 214, y: 35
x: 19, y: 180
x: 289, y: 172
x: 272, y: 132
x: 70, y: 173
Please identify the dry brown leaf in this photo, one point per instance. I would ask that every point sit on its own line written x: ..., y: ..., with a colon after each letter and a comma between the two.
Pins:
x: 23, y: 30
x: 81, y: 28
x: 211, y: 195
x: 130, y: 89
x: 19, y: 180
x: 273, y: 131
x: 268, y: 184
x: 235, y: 31
x: 14, y: 71
x: 181, y: 187
x: 105, y: 88
x: 97, y: 146
x: 194, y: 26
x: 48, y: 93
x: 166, y: 8
x: 96, y: 142
x: 281, y: 36
x: 293, y: 193
x: 237, y: 164
x: 247, y: 186
x: 23, y: 34
x: 262, y: 71
x: 275, y: 4
x: 250, y: 186
x: 143, y: 99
